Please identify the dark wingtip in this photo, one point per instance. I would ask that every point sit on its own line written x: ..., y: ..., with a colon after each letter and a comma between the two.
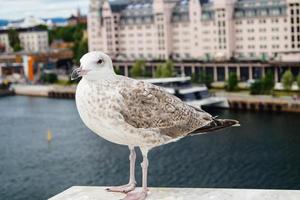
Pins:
x: 215, y: 125
x: 228, y: 122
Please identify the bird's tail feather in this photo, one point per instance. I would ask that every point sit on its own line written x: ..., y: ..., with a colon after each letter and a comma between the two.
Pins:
x: 216, y: 124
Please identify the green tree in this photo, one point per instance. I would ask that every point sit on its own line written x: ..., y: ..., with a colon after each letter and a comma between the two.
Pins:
x: 298, y: 81
x: 232, y: 83
x: 165, y: 70
x: 264, y: 85
x: 117, y: 70
x: 256, y: 87
x: 42, y: 27
x: 195, y: 78
x: 268, y: 83
x: 287, y: 79
x: 158, y: 71
x: 49, y: 78
x: 78, y: 33
x: 67, y: 33
x: 138, y: 69
x: 14, y: 41
x: 206, y: 79
x: 72, y: 34
x: 168, y: 69
x: 80, y: 48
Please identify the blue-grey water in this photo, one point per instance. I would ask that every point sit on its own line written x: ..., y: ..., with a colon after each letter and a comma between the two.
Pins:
x: 263, y: 153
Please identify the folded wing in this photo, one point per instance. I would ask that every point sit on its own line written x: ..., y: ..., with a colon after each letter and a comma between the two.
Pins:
x: 149, y: 106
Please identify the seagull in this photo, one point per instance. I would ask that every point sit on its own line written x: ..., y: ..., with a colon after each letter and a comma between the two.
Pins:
x: 135, y: 113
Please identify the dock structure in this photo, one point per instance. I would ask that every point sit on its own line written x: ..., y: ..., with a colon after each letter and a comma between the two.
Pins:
x: 158, y: 193
x: 256, y: 105
x: 62, y: 92
x: 6, y: 93
x: 239, y: 101
x: 51, y: 91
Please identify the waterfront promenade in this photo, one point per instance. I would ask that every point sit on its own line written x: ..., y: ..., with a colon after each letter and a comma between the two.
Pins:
x: 245, y: 101
x: 238, y: 101
x: 52, y: 91
x: 99, y: 193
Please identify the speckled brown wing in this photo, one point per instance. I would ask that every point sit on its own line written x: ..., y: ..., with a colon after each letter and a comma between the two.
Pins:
x: 149, y: 106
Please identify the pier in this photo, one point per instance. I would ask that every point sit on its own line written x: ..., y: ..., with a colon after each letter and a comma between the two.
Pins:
x: 99, y: 193
x: 238, y: 101
x: 62, y: 92
x: 5, y: 93
x: 51, y: 91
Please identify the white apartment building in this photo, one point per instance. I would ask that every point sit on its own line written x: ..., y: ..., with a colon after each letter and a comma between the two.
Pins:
x: 34, y: 40
x: 195, y: 29
x: 31, y: 39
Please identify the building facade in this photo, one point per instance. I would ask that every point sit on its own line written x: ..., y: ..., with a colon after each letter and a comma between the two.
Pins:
x: 34, y: 40
x: 31, y: 39
x: 4, y: 42
x: 195, y: 29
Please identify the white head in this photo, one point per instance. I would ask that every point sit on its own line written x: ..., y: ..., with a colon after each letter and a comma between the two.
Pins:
x: 94, y: 65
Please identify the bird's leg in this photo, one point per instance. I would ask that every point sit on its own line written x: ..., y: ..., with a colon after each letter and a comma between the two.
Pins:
x: 131, y: 185
x: 142, y: 193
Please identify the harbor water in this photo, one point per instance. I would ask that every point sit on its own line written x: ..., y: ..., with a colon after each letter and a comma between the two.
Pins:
x: 45, y: 149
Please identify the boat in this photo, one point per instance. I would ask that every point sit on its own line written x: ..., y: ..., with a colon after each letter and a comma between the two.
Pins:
x: 194, y: 95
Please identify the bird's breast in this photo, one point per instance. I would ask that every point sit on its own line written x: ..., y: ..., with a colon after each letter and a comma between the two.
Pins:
x: 98, y: 106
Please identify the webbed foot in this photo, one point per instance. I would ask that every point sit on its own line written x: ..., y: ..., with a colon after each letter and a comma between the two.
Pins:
x: 123, y: 188
x: 136, y: 195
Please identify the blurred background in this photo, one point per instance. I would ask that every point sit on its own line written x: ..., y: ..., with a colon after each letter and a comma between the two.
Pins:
x: 236, y: 59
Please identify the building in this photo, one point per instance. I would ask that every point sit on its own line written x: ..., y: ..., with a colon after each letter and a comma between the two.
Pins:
x: 61, y: 44
x: 4, y: 42
x: 34, y: 40
x: 54, y: 60
x: 31, y: 39
x: 77, y: 19
x: 195, y: 29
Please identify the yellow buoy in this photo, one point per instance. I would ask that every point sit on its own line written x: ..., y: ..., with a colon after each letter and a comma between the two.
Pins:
x: 49, y: 135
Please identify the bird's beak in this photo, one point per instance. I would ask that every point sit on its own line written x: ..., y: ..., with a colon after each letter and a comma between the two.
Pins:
x: 78, y: 72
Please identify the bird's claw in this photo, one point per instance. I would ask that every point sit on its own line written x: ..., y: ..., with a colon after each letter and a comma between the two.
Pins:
x: 123, y: 188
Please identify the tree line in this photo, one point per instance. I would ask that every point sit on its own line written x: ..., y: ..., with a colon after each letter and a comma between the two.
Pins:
x: 165, y: 70
x: 264, y: 85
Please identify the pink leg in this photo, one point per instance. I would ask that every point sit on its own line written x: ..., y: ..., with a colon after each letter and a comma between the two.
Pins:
x: 131, y: 185
x: 142, y: 193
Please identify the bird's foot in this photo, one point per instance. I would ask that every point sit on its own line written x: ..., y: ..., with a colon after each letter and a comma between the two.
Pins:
x: 136, y: 195
x: 123, y: 188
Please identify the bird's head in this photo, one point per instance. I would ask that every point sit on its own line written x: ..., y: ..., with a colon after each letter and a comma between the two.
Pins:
x: 94, y: 65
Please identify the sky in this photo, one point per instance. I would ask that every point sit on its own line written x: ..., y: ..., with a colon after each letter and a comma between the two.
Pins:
x: 18, y: 9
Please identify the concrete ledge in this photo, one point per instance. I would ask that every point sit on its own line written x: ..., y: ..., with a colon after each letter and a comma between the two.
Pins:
x: 99, y: 193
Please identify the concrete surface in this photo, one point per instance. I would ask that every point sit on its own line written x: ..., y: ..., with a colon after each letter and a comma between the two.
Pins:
x: 99, y: 193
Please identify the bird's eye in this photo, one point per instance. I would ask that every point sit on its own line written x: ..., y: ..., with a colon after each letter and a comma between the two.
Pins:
x: 100, y: 61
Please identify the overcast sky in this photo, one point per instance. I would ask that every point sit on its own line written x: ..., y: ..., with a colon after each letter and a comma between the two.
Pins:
x: 16, y: 9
